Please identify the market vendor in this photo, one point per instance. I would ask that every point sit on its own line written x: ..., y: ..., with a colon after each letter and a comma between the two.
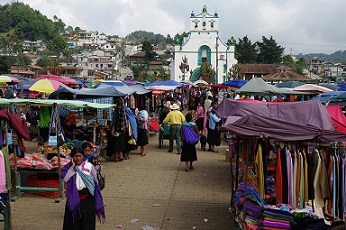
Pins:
x: 83, y: 195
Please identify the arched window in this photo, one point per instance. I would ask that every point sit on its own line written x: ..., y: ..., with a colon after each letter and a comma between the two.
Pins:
x: 204, y: 54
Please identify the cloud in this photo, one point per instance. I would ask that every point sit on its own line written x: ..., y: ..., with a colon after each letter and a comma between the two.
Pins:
x: 299, y: 26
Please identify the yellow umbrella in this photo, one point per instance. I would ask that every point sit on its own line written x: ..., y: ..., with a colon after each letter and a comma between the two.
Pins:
x: 46, y: 86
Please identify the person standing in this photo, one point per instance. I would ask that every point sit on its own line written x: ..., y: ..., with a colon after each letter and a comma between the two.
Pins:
x: 175, y: 119
x: 200, y: 117
x: 83, y: 194
x: 142, y: 126
x: 213, y: 129
x: 188, y: 154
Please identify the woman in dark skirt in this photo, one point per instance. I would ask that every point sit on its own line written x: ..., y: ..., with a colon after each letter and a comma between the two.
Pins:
x: 188, y: 153
x: 142, y: 126
x: 83, y: 196
x: 213, y: 138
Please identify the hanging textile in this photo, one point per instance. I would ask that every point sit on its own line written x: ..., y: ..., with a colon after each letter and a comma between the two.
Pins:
x: 2, y: 174
x: 7, y: 165
x: 259, y: 171
x: 278, y: 177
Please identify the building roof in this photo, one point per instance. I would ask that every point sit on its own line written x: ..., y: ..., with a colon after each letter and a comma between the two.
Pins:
x: 285, y: 75
x: 259, y: 68
x: 138, y: 54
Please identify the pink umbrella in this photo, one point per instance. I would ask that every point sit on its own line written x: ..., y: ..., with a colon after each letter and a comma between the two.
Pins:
x: 62, y: 79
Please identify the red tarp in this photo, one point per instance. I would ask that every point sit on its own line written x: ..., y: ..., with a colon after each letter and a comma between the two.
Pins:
x: 338, y: 118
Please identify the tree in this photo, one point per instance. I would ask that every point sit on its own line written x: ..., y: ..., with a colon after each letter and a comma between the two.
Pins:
x: 148, y: 49
x: 245, y: 51
x: 44, y: 61
x: 5, y: 64
x: 57, y: 45
x: 207, y: 72
x: 77, y: 29
x: 269, y: 51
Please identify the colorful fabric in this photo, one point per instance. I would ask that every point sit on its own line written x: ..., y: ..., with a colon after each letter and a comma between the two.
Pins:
x: 259, y: 171
x: 7, y: 167
x: 278, y: 177
x: 2, y: 174
x: 68, y: 174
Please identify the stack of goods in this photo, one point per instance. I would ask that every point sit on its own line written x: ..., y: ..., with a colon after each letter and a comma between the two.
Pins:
x: 55, y: 164
x: 253, y: 207
x: 36, y: 161
x: 277, y: 219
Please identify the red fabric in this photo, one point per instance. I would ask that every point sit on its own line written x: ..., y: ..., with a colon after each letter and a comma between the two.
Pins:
x: 154, y: 124
x: 278, y: 177
x: 338, y: 118
x: 17, y: 123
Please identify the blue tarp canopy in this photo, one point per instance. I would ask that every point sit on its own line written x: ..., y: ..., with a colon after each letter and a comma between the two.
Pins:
x: 102, y: 91
x: 325, y: 97
x: 235, y: 83
x: 164, y: 85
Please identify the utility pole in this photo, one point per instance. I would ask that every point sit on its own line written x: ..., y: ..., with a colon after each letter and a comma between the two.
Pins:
x: 217, y: 59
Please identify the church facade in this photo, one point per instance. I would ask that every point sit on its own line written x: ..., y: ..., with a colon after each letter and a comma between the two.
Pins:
x: 201, y: 54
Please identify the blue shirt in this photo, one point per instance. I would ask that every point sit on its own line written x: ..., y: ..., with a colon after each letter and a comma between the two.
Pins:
x: 213, y: 119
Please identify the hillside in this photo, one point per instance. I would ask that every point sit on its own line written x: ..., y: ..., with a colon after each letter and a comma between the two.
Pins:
x: 336, y: 57
x: 21, y: 22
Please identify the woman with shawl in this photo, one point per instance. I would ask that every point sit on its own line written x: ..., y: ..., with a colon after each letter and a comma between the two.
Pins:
x: 83, y: 195
x: 188, y: 153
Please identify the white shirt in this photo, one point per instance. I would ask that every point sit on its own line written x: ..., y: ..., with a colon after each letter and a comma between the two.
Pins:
x: 86, y: 168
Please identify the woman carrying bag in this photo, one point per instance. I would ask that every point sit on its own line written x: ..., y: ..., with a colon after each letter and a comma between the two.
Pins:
x: 189, y: 137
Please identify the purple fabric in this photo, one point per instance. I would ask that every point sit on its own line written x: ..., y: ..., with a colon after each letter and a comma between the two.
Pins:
x: 276, y: 224
x: 190, y: 136
x: 255, y: 126
x: 72, y: 196
x: 307, y: 113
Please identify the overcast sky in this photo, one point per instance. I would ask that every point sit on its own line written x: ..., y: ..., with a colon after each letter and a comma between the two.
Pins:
x: 300, y: 26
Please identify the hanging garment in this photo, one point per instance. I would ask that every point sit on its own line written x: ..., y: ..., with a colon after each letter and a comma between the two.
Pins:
x: 259, y: 171
x: 278, y: 177
x: 4, y: 150
x: 306, y: 178
x: 301, y: 182
x: 2, y: 174
x: 284, y: 176
x: 289, y: 177
x: 294, y: 178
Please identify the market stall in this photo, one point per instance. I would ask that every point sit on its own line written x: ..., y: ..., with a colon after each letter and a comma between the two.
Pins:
x: 294, y: 138
x: 47, y: 161
x: 12, y: 132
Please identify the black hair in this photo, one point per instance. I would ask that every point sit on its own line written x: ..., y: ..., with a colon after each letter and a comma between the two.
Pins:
x: 77, y: 149
x: 86, y: 145
x: 188, y: 117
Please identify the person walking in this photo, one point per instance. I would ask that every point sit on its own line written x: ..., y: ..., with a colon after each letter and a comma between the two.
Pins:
x: 189, y: 153
x: 83, y: 194
x: 142, y: 126
x: 174, y: 119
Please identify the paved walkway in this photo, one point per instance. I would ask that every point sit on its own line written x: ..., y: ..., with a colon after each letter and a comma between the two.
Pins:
x: 151, y: 192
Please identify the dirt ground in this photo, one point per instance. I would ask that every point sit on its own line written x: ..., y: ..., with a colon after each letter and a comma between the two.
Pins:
x: 149, y: 193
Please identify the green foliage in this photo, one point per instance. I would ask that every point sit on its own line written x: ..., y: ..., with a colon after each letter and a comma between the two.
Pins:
x: 207, y: 71
x: 245, y: 51
x: 27, y: 23
x: 5, y: 64
x: 44, y: 61
x: 269, y: 51
x: 148, y: 49
x: 57, y: 45
x: 139, y: 36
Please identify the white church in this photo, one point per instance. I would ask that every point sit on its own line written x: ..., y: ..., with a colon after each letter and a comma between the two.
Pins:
x: 203, y: 44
